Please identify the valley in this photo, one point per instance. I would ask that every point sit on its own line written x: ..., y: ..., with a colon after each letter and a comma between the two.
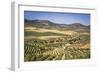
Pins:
x: 45, y: 40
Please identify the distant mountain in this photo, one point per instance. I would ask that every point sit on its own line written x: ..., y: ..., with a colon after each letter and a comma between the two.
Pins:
x: 49, y: 24
x: 77, y: 25
x: 40, y: 22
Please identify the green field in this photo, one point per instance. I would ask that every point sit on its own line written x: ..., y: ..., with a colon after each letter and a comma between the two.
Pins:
x: 31, y: 33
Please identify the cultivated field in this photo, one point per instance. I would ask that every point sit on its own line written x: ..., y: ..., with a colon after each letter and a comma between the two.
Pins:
x: 41, y: 44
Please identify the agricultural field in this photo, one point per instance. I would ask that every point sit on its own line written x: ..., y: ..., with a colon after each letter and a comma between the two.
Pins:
x: 43, y: 42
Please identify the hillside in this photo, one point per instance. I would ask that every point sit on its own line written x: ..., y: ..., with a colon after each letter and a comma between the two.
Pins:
x: 51, y: 25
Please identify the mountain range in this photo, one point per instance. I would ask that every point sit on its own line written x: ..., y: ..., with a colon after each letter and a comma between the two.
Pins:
x: 49, y: 24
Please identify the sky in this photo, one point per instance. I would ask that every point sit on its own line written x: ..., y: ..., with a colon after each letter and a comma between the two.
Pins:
x: 58, y: 17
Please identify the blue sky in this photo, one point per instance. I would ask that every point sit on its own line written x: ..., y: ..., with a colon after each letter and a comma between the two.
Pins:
x: 58, y: 17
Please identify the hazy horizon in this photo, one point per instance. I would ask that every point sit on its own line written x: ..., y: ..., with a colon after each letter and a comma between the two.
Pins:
x: 58, y: 17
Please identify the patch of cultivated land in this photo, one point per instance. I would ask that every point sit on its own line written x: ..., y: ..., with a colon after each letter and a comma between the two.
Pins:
x: 42, y: 44
x: 42, y: 30
x: 39, y: 33
x: 42, y: 37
